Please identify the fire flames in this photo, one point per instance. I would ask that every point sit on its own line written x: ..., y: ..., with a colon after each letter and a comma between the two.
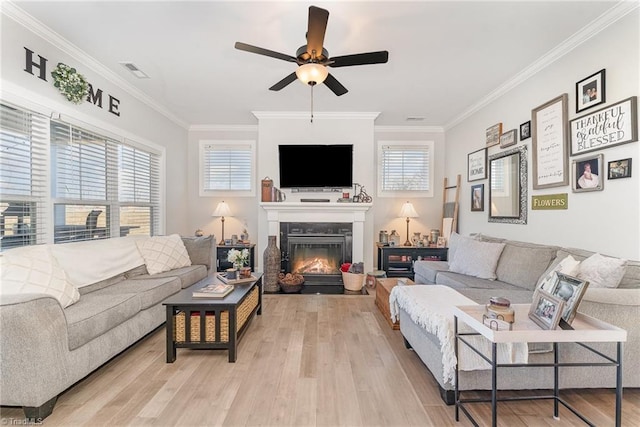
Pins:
x: 315, y: 266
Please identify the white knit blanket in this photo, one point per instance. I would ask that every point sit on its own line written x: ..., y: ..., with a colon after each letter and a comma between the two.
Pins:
x: 431, y: 307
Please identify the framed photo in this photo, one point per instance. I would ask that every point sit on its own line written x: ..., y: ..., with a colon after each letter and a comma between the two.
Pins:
x: 550, y: 133
x: 570, y: 290
x: 493, y: 134
x: 525, y: 130
x: 508, y: 138
x: 477, y: 198
x: 477, y: 165
x: 587, y: 174
x: 546, y: 309
x: 619, y: 169
x: 441, y: 242
x: 590, y: 91
x: 609, y: 126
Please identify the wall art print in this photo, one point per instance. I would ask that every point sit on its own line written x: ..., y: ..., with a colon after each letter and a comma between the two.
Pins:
x: 550, y: 143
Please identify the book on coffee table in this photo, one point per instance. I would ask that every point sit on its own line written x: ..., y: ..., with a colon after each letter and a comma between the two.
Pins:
x: 214, y: 290
x: 224, y: 279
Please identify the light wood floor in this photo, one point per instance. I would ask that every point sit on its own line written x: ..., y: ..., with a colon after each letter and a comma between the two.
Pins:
x: 309, y: 360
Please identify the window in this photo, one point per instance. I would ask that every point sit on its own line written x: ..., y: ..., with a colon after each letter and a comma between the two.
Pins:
x: 23, y: 176
x: 227, y: 166
x: 405, y: 168
x: 101, y: 187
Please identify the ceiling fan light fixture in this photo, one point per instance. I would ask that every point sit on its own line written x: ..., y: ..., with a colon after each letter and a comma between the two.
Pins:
x: 312, y: 73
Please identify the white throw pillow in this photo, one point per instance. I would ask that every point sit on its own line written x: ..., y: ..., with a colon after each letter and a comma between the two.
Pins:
x: 163, y: 253
x: 602, y: 271
x: 455, y: 241
x: 476, y: 258
x: 569, y: 266
x: 31, y: 270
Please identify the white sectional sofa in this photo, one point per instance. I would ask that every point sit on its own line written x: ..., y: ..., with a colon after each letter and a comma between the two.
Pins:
x: 518, y: 269
x: 49, y: 342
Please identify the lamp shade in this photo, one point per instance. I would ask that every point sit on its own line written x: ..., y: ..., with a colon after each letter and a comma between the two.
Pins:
x: 222, y: 210
x: 408, y: 211
x: 312, y: 73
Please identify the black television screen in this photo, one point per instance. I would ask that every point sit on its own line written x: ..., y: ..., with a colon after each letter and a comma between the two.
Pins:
x: 316, y: 166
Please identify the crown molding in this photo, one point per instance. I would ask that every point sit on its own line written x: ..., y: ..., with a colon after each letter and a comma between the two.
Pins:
x: 620, y: 10
x: 305, y: 115
x: 408, y: 129
x: 223, y: 128
x: 17, y: 14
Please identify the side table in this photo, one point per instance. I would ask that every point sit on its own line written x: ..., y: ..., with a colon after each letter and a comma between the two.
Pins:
x: 383, y: 289
x: 584, y: 329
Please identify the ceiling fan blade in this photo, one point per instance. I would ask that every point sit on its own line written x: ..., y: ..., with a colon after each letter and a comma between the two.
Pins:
x: 284, y: 82
x: 380, y: 57
x: 265, y: 52
x: 335, y: 86
x: 316, y: 29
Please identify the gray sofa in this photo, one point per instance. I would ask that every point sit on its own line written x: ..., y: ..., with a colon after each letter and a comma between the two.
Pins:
x: 519, y: 269
x: 46, y: 348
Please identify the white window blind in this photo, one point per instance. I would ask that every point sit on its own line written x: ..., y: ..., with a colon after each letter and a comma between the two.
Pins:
x: 23, y: 176
x: 226, y: 167
x: 405, y: 168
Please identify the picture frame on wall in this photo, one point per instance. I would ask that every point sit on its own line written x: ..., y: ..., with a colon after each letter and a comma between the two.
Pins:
x: 508, y: 138
x: 607, y: 127
x: 493, y: 134
x: 619, y: 169
x: 477, y: 165
x: 588, y: 174
x: 477, y: 198
x: 546, y: 310
x: 590, y: 91
x: 550, y: 142
x: 525, y: 130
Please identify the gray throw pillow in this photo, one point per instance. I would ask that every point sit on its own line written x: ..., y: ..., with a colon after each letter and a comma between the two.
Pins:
x: 200, y: 250
x: 476, y: 258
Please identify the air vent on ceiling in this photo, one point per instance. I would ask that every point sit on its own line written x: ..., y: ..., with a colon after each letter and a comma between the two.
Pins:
x: 133, y: 68
x: 414, y: 118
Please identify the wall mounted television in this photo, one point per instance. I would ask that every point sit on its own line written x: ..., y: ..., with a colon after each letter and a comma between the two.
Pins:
x: 316, y: 167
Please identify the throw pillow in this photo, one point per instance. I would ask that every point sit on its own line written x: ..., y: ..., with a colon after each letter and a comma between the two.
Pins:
x: 31, y: 270
x: 602, y: 271
x: 200, y: 249
x: 455, y: 241
x: 163, y: 253
x: 569, y: 265
x: 476, y: 258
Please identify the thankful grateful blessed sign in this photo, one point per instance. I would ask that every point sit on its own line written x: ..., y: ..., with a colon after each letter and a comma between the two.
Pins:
x: 612, y: 125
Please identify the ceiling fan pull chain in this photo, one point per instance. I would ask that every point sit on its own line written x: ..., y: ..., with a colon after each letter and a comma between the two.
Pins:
x: 312, y: 103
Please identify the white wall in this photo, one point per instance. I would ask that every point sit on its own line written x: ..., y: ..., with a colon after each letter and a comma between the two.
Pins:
x: 606, y: 221
x: 137, y: 121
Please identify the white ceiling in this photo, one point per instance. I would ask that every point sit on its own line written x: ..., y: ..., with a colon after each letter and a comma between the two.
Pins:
x: 445, y: 57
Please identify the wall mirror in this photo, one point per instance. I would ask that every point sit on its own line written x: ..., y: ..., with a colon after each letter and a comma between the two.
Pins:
x: 508, y: 186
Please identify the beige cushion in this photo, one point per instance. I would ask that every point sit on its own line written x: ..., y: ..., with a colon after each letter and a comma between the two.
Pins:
x: 163, y: 253
x: 476, y: 258
x: 568, y: 265
x: 602, y: 271
x: 33, y: 270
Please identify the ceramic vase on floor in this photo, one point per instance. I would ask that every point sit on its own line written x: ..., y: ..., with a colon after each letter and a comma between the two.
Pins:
x: 271, y: 266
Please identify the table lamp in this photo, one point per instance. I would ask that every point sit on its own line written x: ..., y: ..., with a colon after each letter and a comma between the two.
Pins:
x: 408, y: 211
x: 222, y: 210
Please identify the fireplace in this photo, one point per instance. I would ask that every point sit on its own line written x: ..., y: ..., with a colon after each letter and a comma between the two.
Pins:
x: 316, y: 250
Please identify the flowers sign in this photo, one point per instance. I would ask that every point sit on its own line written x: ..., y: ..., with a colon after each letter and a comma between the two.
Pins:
x: 70, y: 83
x: 238, y: 257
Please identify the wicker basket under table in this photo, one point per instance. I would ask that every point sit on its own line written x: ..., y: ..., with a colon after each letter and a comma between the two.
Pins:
x: 206, y: 324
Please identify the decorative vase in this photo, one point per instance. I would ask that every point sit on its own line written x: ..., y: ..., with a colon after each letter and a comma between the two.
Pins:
x: 271, y: 258
x: 416, y: 238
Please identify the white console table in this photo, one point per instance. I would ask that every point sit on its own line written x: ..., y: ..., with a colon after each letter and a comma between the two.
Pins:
x: 584, y: 329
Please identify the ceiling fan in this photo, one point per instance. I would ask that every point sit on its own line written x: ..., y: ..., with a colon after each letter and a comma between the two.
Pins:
x: 313, y: 58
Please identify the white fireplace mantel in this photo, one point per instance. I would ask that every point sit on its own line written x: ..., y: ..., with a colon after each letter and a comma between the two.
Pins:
x: 353, y: 213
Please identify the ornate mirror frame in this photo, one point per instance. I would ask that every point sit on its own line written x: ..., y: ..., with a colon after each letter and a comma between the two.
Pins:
x: 515, y: 196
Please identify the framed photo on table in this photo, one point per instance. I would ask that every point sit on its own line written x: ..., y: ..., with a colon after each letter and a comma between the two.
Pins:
x: 550, y: 133
x: 477, y: 165
x: 546, y: 309
x: 570, y: 290
x: 588, y: 174
x: 590, y: 91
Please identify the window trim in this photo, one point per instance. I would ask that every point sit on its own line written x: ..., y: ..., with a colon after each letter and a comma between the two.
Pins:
x: 413, y: 193
x: 226, y: 193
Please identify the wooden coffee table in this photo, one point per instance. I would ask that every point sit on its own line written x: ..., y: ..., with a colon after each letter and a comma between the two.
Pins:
x: 205, y: 323
x: 383, y: 289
